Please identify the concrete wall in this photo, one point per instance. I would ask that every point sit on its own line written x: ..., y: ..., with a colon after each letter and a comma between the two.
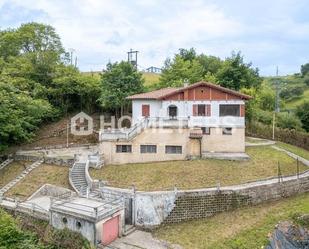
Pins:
x: 87, y: 229
x: 224, y: 143
x: 151, y: 136
x: 151, y: 209
x: 167, y: 136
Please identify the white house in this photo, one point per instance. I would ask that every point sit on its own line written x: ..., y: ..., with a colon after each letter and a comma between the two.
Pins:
x: 179, y: 123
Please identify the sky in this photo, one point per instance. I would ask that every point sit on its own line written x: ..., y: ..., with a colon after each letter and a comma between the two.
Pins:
x: 269, y: 33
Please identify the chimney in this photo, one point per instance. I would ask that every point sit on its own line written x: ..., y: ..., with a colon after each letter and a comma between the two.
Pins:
x: 185, y: 83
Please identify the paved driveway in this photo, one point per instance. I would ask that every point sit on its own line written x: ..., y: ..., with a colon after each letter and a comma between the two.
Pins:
x: 140, y: 240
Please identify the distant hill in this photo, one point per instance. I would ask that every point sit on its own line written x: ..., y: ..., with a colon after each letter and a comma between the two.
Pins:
x: 290, y: 84
x: 150, y: 78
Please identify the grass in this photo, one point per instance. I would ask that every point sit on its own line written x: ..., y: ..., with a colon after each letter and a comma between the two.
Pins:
x: 151, y: 78
x: 12, y: 170
x: 255, y: 141
x: 57, y: 175
x: 199, y: 173
x: 246, y: 228
x: 294, y: 149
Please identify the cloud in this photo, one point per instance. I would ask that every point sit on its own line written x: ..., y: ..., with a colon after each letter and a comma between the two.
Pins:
x: 103, y: 30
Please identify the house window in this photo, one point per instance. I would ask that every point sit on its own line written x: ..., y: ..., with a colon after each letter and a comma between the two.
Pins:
x: 201, y: 110
x: 145, y: 110
x: 172, y: 149
x: 227, y: 131
x: 148, y: 149
x: 123, y: 148
x: 206, y: 130
x: 230, y: 110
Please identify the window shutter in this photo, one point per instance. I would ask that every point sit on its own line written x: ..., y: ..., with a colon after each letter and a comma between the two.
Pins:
x: 242, y: 110
x: 194, y: 110
x: 208, y: 110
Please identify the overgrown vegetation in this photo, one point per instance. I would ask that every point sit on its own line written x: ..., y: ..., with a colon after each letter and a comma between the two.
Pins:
x: 28, y: 233
x: 38, y: 83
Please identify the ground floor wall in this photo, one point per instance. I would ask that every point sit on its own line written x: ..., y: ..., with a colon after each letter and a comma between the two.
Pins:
x: 216, y: 141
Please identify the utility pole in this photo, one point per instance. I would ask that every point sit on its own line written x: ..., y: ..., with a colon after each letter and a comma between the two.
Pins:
x: 132, y: 58
x: 72, y: 50
x: 277, y: 100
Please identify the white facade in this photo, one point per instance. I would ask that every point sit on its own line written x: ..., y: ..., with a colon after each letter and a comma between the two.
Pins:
x: 159, y: 109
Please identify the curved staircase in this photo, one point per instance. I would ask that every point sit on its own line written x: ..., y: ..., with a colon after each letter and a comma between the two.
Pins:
x: 78, y: 178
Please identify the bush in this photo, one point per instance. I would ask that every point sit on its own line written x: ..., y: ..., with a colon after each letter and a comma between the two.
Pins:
x: 302, y: 113
x: 288, y: 121
x: 292, y: 92
x: 66, y: 239
x: 264, y: 117
x: 13, y: 237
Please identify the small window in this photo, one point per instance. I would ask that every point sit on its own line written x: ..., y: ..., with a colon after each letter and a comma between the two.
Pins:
x: 229, y: 110
x: 78, y: 224
x: 171, y: 149
x: 148, y: 149
x: 206, y: 130
x: 227, y: 131
x: 64, y: 220
x: 123, y: 148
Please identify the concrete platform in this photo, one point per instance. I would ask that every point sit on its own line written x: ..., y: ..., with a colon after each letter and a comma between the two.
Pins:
x: 226, y: 156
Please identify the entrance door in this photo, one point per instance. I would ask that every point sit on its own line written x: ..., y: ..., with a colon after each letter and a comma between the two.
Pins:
x: 172, y: 111
x: 110, y: 230
x: 145, y: 110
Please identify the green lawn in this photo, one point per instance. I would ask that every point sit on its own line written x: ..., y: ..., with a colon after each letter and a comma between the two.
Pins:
x: 294, y: 149
x: 263, y: 163
x: 52, y: 174
x: 12, y: 170
x: 246, y: 228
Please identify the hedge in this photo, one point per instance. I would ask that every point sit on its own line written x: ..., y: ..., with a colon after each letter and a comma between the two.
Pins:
x: 300, y: 139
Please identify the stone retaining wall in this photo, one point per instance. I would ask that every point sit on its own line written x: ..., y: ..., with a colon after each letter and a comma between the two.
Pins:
x: 204, y: 203
x: 49, y: 160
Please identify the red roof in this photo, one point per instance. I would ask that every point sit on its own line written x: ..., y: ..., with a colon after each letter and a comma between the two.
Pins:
x: 165, y: 92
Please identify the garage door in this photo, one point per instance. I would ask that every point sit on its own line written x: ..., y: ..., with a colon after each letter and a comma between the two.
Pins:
x: 110, y: 230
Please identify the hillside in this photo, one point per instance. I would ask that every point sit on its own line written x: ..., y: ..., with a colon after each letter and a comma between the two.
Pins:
x: 293, y: 90
x: 150, y: 78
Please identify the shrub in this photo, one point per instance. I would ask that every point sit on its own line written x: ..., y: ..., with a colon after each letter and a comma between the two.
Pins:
x: 11, y: 236
x: 302, y: 113
x: 288, y: 121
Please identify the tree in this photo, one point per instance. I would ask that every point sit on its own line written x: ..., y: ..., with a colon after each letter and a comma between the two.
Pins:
x: 176, y: 71
x: 236, y: 74
x: 302, y: 111
x: 304, y: 69
x: 118, y: 82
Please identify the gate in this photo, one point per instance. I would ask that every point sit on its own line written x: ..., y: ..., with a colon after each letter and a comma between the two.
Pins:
x: 129, y: 211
